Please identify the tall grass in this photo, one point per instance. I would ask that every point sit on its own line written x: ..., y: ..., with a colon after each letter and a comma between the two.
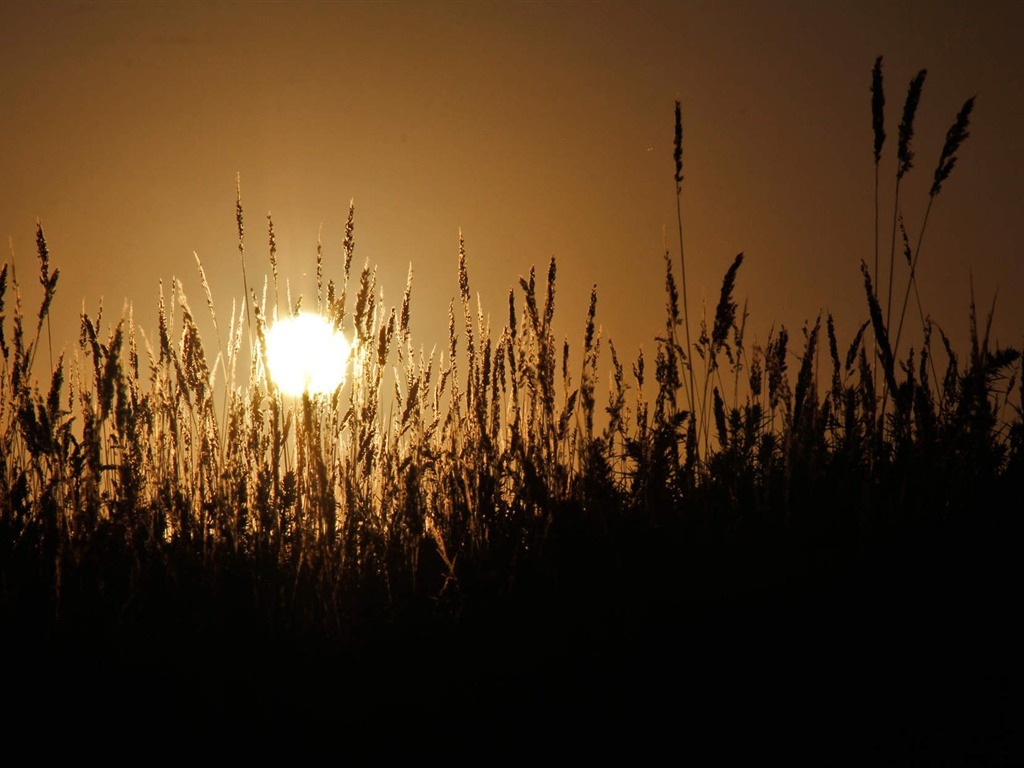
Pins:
x: 439, y: 481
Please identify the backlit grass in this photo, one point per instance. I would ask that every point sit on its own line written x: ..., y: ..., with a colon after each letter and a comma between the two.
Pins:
x: 166, y: 488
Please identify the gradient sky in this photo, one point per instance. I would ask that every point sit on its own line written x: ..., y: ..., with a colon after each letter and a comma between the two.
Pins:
x: 538, y: 129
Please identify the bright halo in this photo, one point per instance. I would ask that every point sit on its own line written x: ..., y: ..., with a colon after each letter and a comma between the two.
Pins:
x: 306, y: 354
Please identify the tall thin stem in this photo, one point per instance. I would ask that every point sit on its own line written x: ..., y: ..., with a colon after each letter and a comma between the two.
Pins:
x: 912, y: 282
x: 691, y: 386
x: 878, y: 128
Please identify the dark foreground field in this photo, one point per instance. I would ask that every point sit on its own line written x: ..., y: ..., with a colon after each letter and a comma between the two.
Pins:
x: 904, y: 652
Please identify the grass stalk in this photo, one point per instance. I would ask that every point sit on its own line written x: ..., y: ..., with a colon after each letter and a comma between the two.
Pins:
x: 878, y: 128
x: 689, y: 380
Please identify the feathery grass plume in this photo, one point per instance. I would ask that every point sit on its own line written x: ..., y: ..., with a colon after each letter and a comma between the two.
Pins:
x: 530, y: 290
x: 924, y: 404
x: 604, y: 462
x: 881, y: 336
x: 403, y: 325
x: 617, y: 421
x: 725, y: 312
x: 667, y: 360
x: 53, y: 409
x: 20, y: 358
x: 737, y: 353
x: 677, y: 153
x: 111, y: 360
x: 538, y: 361
x: 570, y: 395
x: 190, y: 350
x: 672, y: 318
x: 384, y: 337
x: 241, y: 249
x: 804, y: 380
x: 486, y: 381
x: 833, y: 348
x: 363, y: 312
x: 591, y: 347
x: 319, y: 270
x: 951, y: 378
x: 670, y: 355
x: 452, y: 368
x: 878, y: 108
x: 133, y: 350
x: 546, y: 343
x: 348, y: 245
x: 725, y: 321
x: 718, y: 409
x: 991, y: 363
x: 88, y: 339
x: 471, y: 358
x: 904, y: 153
x: 866, y: 393
x: 213, y: 314
x: 338, y: 306
x: 49, y: 283
x: 510, y: 351
x: 24, y: 350
x: 549, y: 296
x: 775, y: 365
x: 690, y: 381
x: 955, y: 136
x: 907, y: 255
x: 642, y: 408
x: 755, y: 373
x: 3, y: 317
x: 499, y: 384
x: 44, y: 263
x: 851, y: 352
x: 273, y: 262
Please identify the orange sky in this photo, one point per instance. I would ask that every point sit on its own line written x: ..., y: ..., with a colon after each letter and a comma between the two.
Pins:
x: 539, y: 129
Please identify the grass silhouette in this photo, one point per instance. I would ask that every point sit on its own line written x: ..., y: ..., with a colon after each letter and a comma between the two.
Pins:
x: 474, y: 549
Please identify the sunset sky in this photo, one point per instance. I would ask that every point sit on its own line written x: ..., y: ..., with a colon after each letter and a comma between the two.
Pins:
x: 538, y: 129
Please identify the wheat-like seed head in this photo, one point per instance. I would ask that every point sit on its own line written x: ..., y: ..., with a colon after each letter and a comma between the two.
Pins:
x: 905, y: 154
x: 878, y: 108
x: 677, y: 153
x: 955, y: 136
x: 881, y: 334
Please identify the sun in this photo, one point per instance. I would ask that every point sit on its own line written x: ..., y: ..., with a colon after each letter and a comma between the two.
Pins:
x: 306, y: 354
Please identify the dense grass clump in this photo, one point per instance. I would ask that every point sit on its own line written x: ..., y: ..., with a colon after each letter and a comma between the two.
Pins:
x: 164, y: 507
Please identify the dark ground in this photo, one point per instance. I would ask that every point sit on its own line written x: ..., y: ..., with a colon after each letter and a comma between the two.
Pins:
x: 907, y: 654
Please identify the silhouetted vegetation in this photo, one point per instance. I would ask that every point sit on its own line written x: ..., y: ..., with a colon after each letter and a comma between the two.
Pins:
x: 452, y: 532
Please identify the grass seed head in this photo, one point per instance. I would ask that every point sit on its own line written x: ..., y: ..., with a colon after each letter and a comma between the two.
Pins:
x: 955, y: 136
x: 677, y: 153
x: 905, y: 154
x: 878, y: 108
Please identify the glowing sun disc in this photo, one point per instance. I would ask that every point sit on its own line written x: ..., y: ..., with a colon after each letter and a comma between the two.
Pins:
x: 305, y: 354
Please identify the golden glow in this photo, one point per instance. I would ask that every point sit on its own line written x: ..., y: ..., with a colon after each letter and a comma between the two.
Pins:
x: 305, y: 354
